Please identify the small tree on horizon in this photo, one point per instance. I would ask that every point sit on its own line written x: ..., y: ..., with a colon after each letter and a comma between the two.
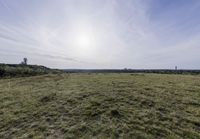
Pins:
x: 24, y: 62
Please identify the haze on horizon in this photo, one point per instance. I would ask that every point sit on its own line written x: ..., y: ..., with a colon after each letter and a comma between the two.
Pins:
x: 101, y: 33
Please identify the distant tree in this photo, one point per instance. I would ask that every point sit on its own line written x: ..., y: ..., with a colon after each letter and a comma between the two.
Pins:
x: 25, y: 61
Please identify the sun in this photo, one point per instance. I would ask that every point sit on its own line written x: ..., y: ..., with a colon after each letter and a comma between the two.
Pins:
x: 84, y: 41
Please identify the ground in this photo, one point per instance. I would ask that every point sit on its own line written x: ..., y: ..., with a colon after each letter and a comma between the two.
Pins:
x: 136, y: 106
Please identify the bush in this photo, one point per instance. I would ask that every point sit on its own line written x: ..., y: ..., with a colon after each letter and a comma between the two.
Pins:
x: 2, y: 72
x: 14, y: 70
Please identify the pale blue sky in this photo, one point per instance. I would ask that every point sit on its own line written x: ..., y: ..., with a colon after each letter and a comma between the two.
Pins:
x: 101, y: 33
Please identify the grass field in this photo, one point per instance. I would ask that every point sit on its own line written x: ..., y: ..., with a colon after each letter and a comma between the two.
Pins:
x: 135, y: 106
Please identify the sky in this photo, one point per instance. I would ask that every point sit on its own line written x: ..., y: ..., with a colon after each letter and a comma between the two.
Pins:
x: 96, y: 34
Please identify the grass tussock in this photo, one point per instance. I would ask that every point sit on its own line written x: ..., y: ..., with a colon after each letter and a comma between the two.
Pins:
x: 145, y: 106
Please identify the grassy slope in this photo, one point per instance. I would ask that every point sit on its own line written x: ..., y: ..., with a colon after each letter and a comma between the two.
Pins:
x: 19, y: 70
x: 101, y: 106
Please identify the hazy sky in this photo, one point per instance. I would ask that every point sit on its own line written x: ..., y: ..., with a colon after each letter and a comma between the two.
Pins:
x: 101, y: 33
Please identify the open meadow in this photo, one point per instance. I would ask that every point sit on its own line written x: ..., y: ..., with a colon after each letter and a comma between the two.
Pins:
x: 96, y: 105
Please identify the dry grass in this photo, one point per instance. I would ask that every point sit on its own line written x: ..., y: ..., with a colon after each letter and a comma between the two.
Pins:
x: 142, y: 106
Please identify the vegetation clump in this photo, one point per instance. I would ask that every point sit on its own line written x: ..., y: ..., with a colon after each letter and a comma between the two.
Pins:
x: 22, y: 70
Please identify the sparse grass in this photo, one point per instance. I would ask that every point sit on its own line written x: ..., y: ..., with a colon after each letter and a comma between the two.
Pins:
x: 136, y: 106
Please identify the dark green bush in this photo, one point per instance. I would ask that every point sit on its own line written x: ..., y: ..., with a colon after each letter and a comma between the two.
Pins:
x: 15, y: 70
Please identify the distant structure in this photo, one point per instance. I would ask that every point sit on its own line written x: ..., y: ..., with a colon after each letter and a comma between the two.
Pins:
x: 176, y: 68
x: 25, y: 61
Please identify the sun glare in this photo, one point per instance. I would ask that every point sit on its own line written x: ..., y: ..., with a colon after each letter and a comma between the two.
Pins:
x: 83, y: 38
x: 84, y: 41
